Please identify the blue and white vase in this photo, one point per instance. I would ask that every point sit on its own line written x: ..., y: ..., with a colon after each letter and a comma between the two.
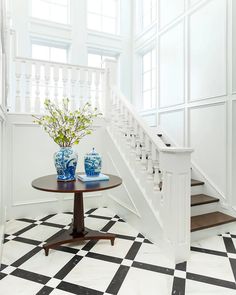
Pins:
x: 92, y: 163
x: 65, y: 162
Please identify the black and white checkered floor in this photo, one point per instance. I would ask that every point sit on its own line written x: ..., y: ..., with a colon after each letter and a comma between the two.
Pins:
x: 133, y: 266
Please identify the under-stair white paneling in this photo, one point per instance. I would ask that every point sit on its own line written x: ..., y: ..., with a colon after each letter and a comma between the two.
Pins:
x: 207, y: 134
x: 173, y: 124
x: 234, y: 154
x: 234, y: 45
x: 30, y: 157
x: 207, y: 33
x: 171, y: 61
x: 169, y: 10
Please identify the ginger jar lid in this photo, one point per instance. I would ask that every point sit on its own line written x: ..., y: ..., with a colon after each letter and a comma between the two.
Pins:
x: 93, y: 153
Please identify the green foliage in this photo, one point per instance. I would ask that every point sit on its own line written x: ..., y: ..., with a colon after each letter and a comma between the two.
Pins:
x: 67, y: 127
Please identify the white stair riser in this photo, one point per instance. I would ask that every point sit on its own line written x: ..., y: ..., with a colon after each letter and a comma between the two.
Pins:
x: 198, y: 189
x: 206, y: 208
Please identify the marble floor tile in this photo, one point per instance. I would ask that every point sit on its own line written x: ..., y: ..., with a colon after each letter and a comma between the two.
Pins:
x: 13, y: 226
x: 40, y: 232
x: 210, y: 266
x: 47, y: 265
x: 137, y: 282
x: 92, y: 273
x: 16, y: 286
x: 199, y: 288
x: 13, y: 250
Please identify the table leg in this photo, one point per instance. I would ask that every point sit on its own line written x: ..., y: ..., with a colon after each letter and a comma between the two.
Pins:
x: 78, y: 219
x: 77, y: 232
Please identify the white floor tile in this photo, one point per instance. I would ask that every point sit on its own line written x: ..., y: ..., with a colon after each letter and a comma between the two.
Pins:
x: 61, y: 218
x: 14, y: 250
x: 95, y: 223
x: 120, y: 248
x: 123, y: 229
x: 40, y: 232
x: 92, y: 273
x: 16, y: 286
x: 210, y: 265
x: 212, y: 243
x: 197, y: 288
x: 104, y: 212
x: 152, y: 254
x: 13, y: 226
x: 47, y: 265
x: 141, y: 282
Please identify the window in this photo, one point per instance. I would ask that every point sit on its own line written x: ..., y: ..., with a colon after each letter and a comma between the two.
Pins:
x: 49, y: 53
x: 52, y: 10
x: 103, y: 15
x: 149, y: 79
x: 149, y: 12
x: 97, y: 60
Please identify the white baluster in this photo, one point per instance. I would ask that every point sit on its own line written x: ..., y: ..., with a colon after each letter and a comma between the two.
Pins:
x: 138, y: 149
x: 81, y: 86
x: 144, y: 154
x: 150, y: 162
x: 156, y: 180
x: 18, y: 73
x: 47, y: 70
x: 65, y: 81
x: 37, y: 89
x: 97, y: 84
x: 55, y: 82
x: 28, y: 72
x: 74, y: 76
x: 89, y: 83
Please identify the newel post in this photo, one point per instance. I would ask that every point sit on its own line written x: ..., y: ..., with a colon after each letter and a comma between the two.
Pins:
x: 175, y: 165
x: 110, y: 82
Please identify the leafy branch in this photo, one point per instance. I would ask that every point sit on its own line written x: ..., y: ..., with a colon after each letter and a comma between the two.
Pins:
x: 67, y: 127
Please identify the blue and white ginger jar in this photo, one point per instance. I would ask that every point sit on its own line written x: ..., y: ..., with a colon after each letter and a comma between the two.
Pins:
x: 92, y: 163
x: 65, y: 162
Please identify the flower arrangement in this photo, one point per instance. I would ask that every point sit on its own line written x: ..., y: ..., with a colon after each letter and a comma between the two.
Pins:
x: 67, y: 127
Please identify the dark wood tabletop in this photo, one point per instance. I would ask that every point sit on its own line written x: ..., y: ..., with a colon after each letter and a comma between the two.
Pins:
x: 49, y: 183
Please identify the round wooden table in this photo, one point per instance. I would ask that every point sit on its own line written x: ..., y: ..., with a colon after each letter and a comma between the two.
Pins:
x: 77, y: 230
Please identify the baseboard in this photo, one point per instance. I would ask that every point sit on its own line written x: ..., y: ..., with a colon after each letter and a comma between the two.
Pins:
x: 63, y: 204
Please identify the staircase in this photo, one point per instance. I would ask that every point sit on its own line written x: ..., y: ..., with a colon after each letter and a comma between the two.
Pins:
x: 165, y: 178
x: 212, y: 218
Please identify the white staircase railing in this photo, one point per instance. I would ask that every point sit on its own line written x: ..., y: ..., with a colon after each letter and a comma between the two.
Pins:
x: 165, y: 172
x: 34, y: 80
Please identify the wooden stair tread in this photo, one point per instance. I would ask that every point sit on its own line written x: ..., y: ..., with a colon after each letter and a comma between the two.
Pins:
x: 195, y: 182
x: 210, y: 220
x: 202, y: 199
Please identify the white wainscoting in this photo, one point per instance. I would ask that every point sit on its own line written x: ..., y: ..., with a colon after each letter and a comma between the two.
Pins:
x: 171, y: 71
x: 207, y: 134
x: 173, y: 124
x: 234, y: 155
x: 207, y: 50
x: 170, y: 10
x: 202, y: 42
x: 30, y: 156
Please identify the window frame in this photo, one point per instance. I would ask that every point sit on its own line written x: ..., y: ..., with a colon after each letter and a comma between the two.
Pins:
x: 102, y: 16
x: 153, y: 14
x: 50, y: 44
x: 51, y: 2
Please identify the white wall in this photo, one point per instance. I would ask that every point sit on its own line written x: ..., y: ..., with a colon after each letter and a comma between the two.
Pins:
x: 2, y: 119
x: 31, y: 156
x: 195, y: 89
x: 75, y: 35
